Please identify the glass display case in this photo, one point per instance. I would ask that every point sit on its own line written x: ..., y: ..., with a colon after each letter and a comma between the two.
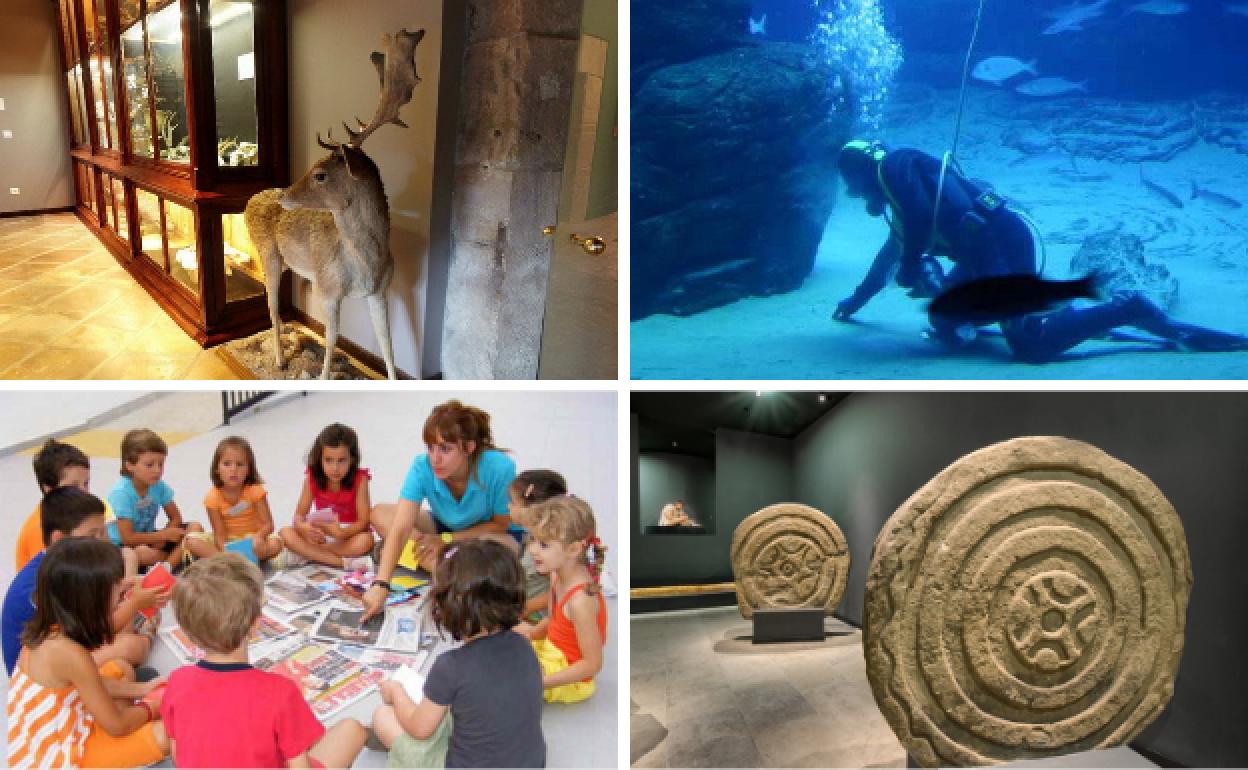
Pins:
x: 183, y: 257
x: 234, y: 83
x: 71, y: 48
x: 151, y: 227
x: 135, y: 72
x: 108, y: 217
x: 84, y: 186
x: 244, y: 275
x: 178, y: 109
x: 121, y: 204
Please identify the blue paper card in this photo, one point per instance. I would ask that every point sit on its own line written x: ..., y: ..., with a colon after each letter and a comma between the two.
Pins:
x: 244, y: 547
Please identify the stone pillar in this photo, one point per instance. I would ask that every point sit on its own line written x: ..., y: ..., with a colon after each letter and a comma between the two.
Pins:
x: 519, y: 67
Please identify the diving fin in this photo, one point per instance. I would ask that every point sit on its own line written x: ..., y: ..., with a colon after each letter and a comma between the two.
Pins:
x: 1198, y: 339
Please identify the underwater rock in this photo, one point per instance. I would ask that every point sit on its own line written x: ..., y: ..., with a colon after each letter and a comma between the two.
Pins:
x: 669, y: 33
x: 1222, y: 119
x: 1119, y: 258
x: 1109, y: 130
x: 732, y: 175
x: 1027, y: 140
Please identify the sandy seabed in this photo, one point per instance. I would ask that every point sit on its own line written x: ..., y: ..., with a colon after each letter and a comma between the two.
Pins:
x: 792, y: 336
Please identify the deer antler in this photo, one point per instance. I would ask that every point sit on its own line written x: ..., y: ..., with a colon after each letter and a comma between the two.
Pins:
x: 331, y: 145
x: 396, y: 67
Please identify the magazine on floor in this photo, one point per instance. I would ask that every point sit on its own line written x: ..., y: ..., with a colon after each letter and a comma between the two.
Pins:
x: 384, y: 660
x: 400, y: 629
x: 324, y: 578
x: 268, y: 629
x: 329, y: 680
x: 289, y: 594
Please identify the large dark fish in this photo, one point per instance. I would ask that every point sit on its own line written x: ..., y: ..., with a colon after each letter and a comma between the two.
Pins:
x: 1215, y: 197
x: 990, y: 300
x: 1168, y: 196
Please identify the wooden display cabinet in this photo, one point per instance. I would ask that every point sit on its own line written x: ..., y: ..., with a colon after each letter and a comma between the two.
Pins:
x: 178, y: 115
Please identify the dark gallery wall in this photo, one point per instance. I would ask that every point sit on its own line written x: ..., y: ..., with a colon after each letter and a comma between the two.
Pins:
x: 668, y: 477
x: 863, y: 459
x: 751, y: 471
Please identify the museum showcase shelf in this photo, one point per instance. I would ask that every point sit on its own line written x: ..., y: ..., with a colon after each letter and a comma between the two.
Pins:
x: 178, y: 115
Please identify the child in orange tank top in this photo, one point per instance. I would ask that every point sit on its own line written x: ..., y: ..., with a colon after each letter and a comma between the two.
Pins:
x: 568, y: 643
x: 62, y: 710
x: 237, y: 505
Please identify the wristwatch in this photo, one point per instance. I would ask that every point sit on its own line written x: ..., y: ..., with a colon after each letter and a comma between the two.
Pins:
x: 383, y: 583
x: 447, y: 538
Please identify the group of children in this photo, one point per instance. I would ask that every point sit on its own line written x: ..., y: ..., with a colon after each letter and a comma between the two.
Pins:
x: 77, y: 621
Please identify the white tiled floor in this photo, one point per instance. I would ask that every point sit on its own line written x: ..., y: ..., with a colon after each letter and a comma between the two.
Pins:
x: 572, y: 432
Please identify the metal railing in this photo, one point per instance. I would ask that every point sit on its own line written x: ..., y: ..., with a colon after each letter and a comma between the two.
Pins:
x: 235, y: 402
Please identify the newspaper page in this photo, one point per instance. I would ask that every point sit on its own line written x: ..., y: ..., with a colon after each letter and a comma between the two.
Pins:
x: 329, y: 680
x: 401, y: 629
x: 290, y: 595
x: 180, y: 643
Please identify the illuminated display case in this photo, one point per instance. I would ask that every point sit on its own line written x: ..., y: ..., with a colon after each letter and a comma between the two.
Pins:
x: 177, y: 116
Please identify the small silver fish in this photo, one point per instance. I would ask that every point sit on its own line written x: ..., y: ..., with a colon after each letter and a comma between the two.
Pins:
x: 1072, y: 17
x: 1160, y: 191
x: 1160, y: 8
x: 1215, y: 197
x: 758, y: 26
x: 1050, y: 87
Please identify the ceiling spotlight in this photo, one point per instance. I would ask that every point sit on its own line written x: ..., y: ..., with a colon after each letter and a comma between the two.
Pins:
x: 823, y: 397
x: 674, y: 444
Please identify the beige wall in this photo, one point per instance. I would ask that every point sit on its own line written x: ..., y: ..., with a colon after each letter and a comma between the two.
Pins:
x: 36, y: 159
x: 332, y: 80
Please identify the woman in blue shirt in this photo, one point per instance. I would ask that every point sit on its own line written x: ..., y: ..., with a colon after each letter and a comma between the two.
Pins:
x: 464, y: 477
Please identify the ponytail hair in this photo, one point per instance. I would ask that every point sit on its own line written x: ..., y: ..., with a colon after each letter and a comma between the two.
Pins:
x: 569, y: 519
x: 538, y: 486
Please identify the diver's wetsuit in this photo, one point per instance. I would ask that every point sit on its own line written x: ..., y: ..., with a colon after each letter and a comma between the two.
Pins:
x: 983, y: 241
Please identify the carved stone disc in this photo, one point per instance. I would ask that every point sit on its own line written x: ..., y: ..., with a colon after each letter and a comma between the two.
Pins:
x: 1029, y: 600
x: 789, y: 555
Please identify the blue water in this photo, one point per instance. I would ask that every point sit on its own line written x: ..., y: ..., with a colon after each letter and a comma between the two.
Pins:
x: 1162, y: 96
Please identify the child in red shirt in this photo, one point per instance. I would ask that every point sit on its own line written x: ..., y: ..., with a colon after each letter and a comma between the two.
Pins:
x: 336, y: 491
x: 221, y: 712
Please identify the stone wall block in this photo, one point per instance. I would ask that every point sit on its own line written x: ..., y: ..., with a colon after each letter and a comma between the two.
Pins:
x: 516, y: 96
x: 490, y: 19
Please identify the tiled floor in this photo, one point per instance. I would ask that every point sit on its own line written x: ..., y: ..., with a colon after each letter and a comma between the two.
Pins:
x: 573, y: 432
x: 69, y: 311
x: 703, y: 697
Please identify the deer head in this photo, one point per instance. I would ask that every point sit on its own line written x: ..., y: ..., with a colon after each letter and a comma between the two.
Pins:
x: 347, y: 172
x: 336, y: 181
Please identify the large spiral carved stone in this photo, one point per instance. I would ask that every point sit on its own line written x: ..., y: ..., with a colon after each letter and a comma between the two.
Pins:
x: 789, y: 555
x: 1029, y: 600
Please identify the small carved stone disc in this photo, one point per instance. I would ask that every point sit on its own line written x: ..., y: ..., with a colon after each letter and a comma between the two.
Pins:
x: 789, y: 555
x: 1029, y: 600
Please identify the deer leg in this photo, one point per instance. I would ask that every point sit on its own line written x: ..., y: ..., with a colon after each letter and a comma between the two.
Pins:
x: 272, y: 288
x: 332, y: 306
x: 381, y: 327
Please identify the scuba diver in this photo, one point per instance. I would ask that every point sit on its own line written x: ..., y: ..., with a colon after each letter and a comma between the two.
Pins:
x: 937, y: 212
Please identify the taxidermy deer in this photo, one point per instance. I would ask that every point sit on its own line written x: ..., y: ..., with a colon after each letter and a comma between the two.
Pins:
x: 333, y: 226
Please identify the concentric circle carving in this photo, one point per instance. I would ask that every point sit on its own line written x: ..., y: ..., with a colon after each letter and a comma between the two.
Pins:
x: 1029, y: 600
x: 789, y: 555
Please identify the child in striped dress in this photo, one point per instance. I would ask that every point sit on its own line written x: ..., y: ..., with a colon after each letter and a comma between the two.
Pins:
x: 62, y: 710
